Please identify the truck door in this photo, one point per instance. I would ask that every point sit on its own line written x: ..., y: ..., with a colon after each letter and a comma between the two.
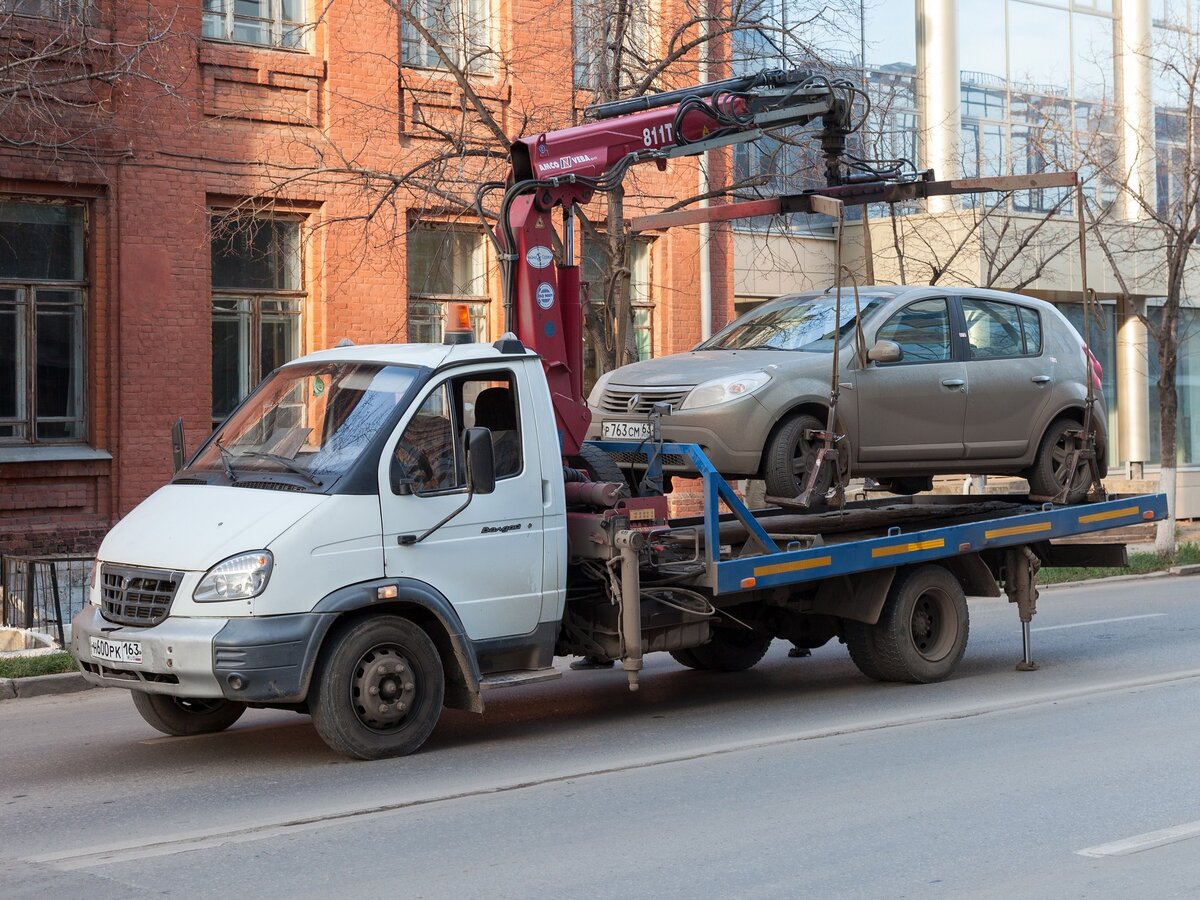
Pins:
x: 487, y: 560
x: 913, y: 409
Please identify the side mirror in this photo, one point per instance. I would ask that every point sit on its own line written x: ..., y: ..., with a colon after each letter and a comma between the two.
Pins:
x: 481, y: 465
x: 885, y: 352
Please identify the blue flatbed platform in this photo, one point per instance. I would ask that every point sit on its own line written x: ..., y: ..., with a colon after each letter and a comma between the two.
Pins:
x: 994, y: 523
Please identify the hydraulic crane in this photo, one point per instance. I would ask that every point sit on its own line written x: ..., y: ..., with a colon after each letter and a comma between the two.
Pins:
x: 568, y: 167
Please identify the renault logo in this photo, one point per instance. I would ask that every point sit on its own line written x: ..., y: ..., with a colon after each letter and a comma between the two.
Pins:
x: 631, y: 404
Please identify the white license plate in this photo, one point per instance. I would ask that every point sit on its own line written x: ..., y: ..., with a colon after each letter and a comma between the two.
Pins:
x: 625, y: 431
x: 125, y: 652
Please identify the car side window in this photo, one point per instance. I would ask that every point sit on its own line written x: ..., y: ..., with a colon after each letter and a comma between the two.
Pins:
x: 922, y: 329
x: 993, y: 329
x: 1031, y: 324
x: 427, y: 454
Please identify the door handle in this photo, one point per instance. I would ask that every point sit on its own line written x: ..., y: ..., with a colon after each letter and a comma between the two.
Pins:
x: 1040, y: 379
x: 953, y: 382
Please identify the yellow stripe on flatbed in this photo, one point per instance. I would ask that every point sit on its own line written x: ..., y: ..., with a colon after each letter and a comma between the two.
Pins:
x: 1111, y: 514
x: 913, y: 547
x: 1034, y: 528
x: 815, y: 562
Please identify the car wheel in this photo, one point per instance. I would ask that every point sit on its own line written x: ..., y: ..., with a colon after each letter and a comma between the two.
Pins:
x: 180, y: 716
x: 378, y: 689
x: 687, y: 658
x: 599, y: 465
x: 1049, y: 471
x: 789, y: 457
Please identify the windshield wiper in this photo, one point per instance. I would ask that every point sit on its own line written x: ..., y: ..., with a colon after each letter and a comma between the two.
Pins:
x: 226, y: 457
x: 290, y: 464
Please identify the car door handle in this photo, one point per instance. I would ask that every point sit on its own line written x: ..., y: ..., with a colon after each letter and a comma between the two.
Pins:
x: 953, y: 382
x: 1040, y: 379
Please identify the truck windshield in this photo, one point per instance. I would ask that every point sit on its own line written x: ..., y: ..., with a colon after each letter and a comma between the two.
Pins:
x: 312, y: 420
x: 792, y: 323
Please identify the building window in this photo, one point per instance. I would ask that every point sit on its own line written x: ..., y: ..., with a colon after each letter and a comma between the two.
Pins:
x: 598, y: 33
x: 461, y: 29
x: 267, y: 23
x: 445, y: 265
x: 42, y: 301
x: 593, y: 268
x: 46, y: 9
x: 257, y: 301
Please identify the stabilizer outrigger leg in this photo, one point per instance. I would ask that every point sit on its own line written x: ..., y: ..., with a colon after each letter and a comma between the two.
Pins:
x: 1021, y: 566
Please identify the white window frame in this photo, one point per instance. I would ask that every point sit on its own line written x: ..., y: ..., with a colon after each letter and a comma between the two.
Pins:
x: 476, y: 39
x: 222, y: 12
x: 426, y: 309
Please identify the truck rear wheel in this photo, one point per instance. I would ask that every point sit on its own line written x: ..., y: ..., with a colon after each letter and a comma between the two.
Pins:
x: 687, y: 658
x: 922, y: 632
x: 182, y: 716
x: 731, y: 650
x: 378, y: 689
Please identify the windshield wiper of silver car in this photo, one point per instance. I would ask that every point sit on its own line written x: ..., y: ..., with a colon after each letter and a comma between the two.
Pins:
x: 290, y: 464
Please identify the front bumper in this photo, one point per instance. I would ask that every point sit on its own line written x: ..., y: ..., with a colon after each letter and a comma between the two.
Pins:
x: 177, y: 655
x: 267, y: 659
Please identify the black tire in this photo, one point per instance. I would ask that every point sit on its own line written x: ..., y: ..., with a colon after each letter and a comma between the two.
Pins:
x: 600, y: 465
x: 922, y: 632
x: 687, y: 658
x: 378, y: 688
x: 182, y: 716
x: 858, y: 638
x: 732, y: 650
x: 1047, y: 475
x: 788, y: 458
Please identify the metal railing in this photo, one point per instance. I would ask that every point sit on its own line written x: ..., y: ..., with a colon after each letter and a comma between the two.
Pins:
x: 43, y: 593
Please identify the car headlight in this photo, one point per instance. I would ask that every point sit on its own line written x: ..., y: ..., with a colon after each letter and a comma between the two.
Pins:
x: 598, y: 390
x: 237, y: 578
x: 722, y: 390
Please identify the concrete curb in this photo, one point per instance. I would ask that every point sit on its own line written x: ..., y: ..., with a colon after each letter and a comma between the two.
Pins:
x: 1115, y: 579
x: 43, y: 686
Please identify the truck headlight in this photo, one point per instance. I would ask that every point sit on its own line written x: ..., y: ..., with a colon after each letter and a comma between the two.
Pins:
x: 722, y: 390
x: 237, y: 578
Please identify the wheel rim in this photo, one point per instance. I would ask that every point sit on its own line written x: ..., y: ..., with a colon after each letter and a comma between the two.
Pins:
x: 383, y: 688
x: 804, y: 457
x: 1063, y: 448
x: 933, y: 625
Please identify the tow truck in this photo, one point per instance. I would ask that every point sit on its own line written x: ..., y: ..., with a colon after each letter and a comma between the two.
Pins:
x: 378, y: 532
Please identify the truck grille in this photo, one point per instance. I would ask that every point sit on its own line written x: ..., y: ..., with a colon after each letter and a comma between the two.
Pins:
x: 139, y: 597
x: 640, y: 401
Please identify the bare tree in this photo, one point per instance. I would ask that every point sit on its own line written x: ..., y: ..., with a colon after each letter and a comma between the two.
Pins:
x: 62, y: 68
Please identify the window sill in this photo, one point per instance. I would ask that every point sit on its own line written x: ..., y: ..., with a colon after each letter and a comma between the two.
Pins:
x: 285, y: 60
x: 51, y: 453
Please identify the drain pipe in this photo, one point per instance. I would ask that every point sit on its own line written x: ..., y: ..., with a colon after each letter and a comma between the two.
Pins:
x: 706, y: 316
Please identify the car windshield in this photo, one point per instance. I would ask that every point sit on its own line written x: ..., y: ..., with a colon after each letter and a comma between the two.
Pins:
x: 310, y: 420
x: 792, y: 323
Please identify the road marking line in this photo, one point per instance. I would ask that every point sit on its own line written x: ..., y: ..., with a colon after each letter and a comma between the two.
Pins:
x: 1147, y: 841
x: 1098, y: 622
x: 169, y: 845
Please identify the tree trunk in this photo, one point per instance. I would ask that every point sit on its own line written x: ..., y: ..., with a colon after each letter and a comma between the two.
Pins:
x: 1168, y: 404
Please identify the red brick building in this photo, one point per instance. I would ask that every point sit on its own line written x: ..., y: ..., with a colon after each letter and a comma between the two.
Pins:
x: 191, y: 196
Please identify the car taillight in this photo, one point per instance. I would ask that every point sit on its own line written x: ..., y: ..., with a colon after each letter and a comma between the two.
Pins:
x: 1097, y: 369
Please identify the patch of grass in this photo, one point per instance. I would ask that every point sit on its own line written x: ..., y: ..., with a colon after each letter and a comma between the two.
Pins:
x: 28, y: 666
x: 1139, y: 564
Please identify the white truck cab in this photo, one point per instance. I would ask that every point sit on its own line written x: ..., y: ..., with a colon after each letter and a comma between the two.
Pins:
x: 340, y: 489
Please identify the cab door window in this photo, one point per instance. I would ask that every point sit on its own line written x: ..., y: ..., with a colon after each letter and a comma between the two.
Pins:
x: 430, y: 451
x: 922, y: 329
x: 427, y: 455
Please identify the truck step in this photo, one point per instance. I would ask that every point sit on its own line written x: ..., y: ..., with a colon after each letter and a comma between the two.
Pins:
x: 515, y: 679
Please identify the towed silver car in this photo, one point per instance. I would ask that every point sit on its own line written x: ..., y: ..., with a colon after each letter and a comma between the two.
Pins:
x: 957, y: 380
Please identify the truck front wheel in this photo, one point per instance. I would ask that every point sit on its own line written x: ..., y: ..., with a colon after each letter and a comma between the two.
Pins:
x: 182, y: 716
x: 731, y: 650
x: 378, y: 689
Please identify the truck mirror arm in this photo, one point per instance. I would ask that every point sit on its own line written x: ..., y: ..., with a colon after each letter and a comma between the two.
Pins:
x: 481, y: 478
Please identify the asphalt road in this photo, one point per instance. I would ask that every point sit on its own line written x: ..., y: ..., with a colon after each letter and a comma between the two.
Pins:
x: 798, y: 778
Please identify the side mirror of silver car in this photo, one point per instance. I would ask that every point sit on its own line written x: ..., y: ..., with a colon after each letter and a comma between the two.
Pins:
x: 885, y: 352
